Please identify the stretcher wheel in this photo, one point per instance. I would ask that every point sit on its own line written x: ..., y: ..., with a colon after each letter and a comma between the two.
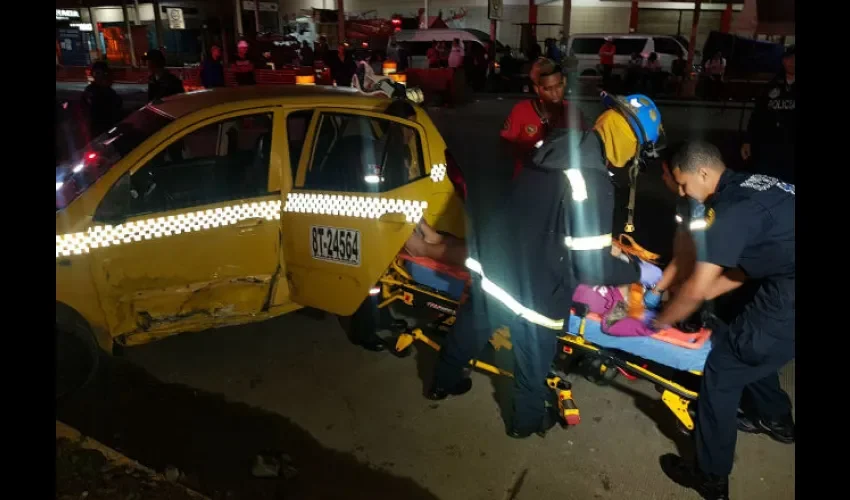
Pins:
x: 601, y: 373
x: 680, y: 427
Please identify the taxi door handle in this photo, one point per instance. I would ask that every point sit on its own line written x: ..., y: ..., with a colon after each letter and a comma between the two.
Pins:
x: 248, y: 225
x: 393, y: 218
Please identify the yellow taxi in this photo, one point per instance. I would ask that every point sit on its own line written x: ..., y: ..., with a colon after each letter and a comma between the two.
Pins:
x: 231, y: 206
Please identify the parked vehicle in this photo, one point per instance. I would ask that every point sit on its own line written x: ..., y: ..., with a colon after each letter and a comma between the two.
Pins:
x: 586, y: 49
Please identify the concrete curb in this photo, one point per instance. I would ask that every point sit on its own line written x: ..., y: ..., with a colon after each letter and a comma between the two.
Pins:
x: 116, y: 458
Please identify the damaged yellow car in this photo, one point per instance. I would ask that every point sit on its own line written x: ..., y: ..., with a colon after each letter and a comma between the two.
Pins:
x: 231, y: 206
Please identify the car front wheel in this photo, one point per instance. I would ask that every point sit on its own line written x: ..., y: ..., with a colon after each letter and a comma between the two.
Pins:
x: 77, y: 358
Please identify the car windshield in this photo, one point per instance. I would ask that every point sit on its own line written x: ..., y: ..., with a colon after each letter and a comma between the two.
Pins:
x: 90, y: 163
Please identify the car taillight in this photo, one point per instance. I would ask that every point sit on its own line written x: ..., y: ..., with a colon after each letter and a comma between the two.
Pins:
x: 455, y: 175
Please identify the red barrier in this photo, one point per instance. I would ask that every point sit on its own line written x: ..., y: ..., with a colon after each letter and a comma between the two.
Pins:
x: 275, y: 77
x: 436, y: 79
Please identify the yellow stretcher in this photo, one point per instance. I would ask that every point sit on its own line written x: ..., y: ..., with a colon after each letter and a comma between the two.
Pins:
x: 419, y: 298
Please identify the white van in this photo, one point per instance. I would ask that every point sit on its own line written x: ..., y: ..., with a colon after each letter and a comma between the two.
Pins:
x: 419, y: 41
x: 586, y: 49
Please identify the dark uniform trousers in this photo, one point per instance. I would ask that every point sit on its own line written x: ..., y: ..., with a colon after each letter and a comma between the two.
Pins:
x: 534, y: 348
x: 745, y: 361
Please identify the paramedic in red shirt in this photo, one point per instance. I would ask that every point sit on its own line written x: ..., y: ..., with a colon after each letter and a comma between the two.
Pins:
x: 606, y: 60
x: 531, y: 120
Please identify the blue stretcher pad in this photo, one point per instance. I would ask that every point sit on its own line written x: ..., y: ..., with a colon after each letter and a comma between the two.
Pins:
x: 658, y: 351
x: 433, y: 278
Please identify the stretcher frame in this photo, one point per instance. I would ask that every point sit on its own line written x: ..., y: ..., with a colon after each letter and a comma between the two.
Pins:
x: 397, y: 285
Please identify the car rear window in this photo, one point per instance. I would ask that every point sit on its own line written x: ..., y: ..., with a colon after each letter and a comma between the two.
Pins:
x: 628, y: 46
x: 587, y: 45
x: 667, y: 46
x: 89, y: 164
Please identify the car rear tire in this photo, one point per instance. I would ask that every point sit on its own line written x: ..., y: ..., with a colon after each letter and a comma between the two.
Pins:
x: 77, y: 357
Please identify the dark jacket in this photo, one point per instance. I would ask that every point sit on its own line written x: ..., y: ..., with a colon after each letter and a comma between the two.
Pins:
x: 553, y: 229
x: 774, y: 119
x: 772, y: 130
x: 244, y: 71
x: 103, y: 106
x: 168, y: 85
x: 212, y: 74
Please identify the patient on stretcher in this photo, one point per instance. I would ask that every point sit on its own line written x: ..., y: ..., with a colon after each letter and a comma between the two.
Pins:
x: 621, y: 312
x: 620, y: 308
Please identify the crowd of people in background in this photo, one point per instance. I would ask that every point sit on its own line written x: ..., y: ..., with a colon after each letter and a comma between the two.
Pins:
x: 773, y: 118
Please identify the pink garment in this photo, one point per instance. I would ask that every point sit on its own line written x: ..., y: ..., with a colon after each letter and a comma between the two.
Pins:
x: 599, y: 299
x: 602, y: 300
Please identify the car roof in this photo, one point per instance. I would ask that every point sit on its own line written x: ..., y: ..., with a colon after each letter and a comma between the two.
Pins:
x: 620, y: 35
x: 439, y: 34
x: 180, y: 105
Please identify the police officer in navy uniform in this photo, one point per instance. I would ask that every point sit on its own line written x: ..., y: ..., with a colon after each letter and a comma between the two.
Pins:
x: 749, y: 231
x: 772, y: 130
x: 552, y: 232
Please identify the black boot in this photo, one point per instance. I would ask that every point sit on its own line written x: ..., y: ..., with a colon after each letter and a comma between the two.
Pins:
x: 779, y: 429
x: 710, y: 487
x: 549, y: 421
x: 437, y: 393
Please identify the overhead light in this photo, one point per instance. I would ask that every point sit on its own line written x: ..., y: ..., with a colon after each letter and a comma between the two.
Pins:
x: 59, y: 185
x: 373, y: 179
x: 78, y: 167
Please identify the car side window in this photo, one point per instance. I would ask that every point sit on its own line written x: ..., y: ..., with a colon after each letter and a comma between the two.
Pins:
x: 628, y: 46
x: 297, y: 124
x: 587, y: 45
x: 667, y: 46
x: 356, y: 153
x: 227, y: 160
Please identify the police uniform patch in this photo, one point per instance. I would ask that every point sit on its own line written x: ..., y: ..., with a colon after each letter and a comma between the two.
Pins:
x: 709, y: 218
x: 774, y: 93
x: 507, y: 125
x: 759, y: 182
x: 530, y: 129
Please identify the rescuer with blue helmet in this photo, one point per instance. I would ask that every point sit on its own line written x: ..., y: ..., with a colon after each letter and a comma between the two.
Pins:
x: 553, y: 231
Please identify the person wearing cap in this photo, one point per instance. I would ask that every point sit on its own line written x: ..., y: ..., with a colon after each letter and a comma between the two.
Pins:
x: 100, y: 102
x: 162, y: 83
x: 243, y: 66
x: 606, y: 61
x: 772, y: 130
x: 552, y: 232
x: 531, y: 120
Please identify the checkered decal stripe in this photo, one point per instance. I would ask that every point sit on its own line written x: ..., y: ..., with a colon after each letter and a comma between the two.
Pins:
x: 325, y: 204
x: 353, y: 206
x: 104, y: 236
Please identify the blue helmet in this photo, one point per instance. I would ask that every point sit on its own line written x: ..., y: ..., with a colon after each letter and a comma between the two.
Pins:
x: 641, y: 113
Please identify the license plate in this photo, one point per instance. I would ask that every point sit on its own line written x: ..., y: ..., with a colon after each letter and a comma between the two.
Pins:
x: 334, y: 244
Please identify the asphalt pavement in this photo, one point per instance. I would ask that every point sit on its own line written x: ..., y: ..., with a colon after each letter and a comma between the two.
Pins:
x: 354, y: 424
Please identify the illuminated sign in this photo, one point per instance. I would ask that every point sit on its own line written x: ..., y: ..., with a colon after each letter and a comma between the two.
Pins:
x: 63, y: 14
x: 82, y: 26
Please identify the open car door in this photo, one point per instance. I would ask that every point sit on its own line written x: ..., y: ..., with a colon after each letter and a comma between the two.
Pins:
x: 363, y: 183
